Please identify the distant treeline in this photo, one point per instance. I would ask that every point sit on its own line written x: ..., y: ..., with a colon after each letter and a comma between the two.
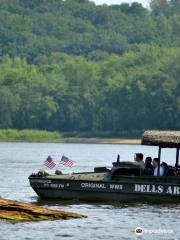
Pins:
x: 37, y: 29
x: 138, y: 90
x: 74, y: 66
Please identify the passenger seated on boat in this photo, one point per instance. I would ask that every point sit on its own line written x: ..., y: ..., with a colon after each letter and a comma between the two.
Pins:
x: 177, y: 172
x: 155, y: 166
x: 166, y: 169
x: 171, y: 171
x: 149, y: 170
x: 138, y: 159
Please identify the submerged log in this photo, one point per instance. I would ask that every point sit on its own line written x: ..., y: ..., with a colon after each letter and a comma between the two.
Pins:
x: 14, y: 211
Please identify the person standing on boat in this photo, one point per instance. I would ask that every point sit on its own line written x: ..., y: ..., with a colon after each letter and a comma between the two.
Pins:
x: 149, y: 170
x: 138, y: 158
x: 155, y: 165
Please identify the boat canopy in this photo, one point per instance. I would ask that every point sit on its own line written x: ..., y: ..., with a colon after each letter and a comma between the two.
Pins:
x: 164, y: 139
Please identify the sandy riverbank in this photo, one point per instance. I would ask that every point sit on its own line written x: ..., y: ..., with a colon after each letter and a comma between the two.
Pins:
x: 100, y: 140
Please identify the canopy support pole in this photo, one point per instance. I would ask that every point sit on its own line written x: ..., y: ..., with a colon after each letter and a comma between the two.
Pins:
x: 177, y: 157
x: 159, y: 158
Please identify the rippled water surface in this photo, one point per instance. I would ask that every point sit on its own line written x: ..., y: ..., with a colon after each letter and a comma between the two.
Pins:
x: 104, y: 221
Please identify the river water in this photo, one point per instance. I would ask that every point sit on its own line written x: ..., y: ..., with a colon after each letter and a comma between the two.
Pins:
x: 113, y: 221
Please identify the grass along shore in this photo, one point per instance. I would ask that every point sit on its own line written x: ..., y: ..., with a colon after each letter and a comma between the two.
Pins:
x: 13, y: 135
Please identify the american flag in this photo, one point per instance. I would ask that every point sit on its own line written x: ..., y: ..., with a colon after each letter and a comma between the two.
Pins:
x: 66, y: 161
x: 50, y: 163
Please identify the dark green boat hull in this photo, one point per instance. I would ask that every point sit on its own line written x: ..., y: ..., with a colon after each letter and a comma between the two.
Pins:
x: 125, y: 189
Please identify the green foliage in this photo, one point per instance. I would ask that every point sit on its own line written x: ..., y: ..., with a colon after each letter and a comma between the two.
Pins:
x: 37, y: 29
x: 72, y: 66
x: 29, y: 135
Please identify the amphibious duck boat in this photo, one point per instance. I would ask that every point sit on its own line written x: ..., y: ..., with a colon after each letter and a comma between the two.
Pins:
x: 124, y: 181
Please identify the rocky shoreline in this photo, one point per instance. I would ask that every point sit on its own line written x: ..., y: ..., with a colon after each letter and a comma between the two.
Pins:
x: 14, y: 212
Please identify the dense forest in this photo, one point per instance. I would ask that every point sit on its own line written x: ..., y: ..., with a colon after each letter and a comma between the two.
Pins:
x: 74, y: 66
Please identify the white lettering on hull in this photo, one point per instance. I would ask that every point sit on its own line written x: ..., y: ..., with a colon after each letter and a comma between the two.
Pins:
x: 174, y: 190
x: 147, y: 188
x: 53, y: 185
x: 116, y: 187
x: 93, y: 185
x: 40, y: 181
